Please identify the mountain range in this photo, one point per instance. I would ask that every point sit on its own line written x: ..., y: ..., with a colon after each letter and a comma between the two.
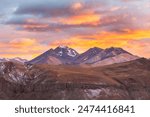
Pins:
x: 92, y: 57
x: 63, y: 73
x: 16, y: 60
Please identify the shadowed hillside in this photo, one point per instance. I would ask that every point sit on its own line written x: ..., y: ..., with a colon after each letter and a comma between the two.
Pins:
x: 129, y: 80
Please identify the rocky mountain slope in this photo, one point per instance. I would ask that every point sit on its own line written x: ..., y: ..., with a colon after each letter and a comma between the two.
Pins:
x: 89, y: 54
x: 124, y: 57
x: 59, y: 55
x: 93, y: 57
x: 128, y: 80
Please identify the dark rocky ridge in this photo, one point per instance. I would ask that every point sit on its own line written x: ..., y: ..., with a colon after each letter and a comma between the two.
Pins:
x: 59, y: 55
x: 129, y: 80
x: 65, y: 55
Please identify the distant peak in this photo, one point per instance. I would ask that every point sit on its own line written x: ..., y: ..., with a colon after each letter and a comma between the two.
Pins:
x: 116, y: 49
x: 65, y: 51
x: 60, y: 48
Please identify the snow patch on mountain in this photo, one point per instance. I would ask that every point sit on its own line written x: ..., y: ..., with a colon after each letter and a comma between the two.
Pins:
x: 13, y: 72
x: 71, y: 53
x: 17, y: 59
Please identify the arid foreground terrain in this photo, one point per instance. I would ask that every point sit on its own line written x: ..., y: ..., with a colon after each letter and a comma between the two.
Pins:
x: 129, y: 80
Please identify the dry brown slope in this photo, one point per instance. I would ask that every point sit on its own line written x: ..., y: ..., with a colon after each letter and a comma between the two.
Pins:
x: 129, y: 80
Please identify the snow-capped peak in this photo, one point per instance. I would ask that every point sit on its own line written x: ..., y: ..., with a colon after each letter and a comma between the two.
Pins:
x: 71, y: 53
x: 65, y: 52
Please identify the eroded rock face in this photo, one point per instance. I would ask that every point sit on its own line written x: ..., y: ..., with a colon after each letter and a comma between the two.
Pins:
x: 128, y: 80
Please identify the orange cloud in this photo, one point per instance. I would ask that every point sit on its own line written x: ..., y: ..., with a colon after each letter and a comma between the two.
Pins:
x: 130, y: 40
x: 36, y: 27
x: 82, y: 19
x: 16, y: 43
x: 128, y: 35
x: 105, y: 39
x: 25, y: 48
x: 139, y: 47
x: 82, y: 44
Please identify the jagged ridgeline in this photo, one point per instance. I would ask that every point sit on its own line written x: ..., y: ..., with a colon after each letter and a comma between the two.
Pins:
x: 92, y: 57
x: 63, y: 73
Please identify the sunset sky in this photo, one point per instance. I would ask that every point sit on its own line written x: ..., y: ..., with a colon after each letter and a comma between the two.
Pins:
x: 31, y: 27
